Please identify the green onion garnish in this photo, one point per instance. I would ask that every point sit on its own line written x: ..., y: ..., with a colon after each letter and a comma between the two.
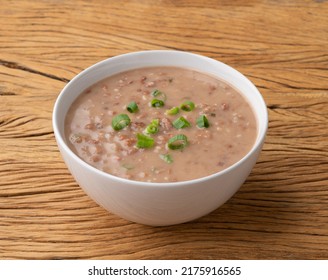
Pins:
x: 177, y: 142
x: 132, y: 107
x: 127, y: 166
x: 167, y: 158
x: 144, y: 141
x: 157, y: 103
x: 120, y: 121
x: 202, y: 121
x: 181, y: 122
x: 172, y: 111
x: 159, y: 94
x: 153, y: 127
x: 187, y: 106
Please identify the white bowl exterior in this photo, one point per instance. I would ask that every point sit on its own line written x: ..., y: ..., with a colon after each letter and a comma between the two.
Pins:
x: 162, y: 205
x: 159, y: 204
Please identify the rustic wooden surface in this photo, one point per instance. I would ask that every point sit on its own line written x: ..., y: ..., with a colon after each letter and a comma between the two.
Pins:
x: 281, y: 212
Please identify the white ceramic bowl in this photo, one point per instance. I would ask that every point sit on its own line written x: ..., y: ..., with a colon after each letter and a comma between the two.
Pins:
x: 159, y: 204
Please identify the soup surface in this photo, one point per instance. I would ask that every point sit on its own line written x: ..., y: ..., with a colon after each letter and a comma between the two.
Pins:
x: 161, y: 124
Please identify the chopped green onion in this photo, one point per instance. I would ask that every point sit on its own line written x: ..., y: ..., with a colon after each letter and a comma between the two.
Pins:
x: 132, y: 107
x: 120, y: 121
x: 76, y: 138
x: 172, y: 111
x: 167, y: 158
x: 153, y: 127
x: 202, y: 121
x: 127, y: 166
x: 159, y: 94
x: 144, y: 141
x: 181, y: 123
x: 177, y: 142
x: 157, y: 103
x: 187, y: 106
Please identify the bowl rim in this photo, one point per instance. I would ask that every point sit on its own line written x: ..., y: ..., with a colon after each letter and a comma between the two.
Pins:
x: 261, y: 134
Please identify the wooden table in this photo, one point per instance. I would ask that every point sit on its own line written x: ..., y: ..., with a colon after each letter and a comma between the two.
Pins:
x: 281, y: 212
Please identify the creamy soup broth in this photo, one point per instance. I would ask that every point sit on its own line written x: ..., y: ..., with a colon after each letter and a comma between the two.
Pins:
x: 231, y: 131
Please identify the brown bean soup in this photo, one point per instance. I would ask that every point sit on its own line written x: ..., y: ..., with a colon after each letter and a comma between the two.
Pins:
x: 161, y: 124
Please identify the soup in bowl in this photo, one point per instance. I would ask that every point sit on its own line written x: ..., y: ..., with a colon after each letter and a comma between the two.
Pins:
x: 160, y: 137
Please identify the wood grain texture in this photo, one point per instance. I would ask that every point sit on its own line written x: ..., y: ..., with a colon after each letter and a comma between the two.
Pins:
x: 281, y: 212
